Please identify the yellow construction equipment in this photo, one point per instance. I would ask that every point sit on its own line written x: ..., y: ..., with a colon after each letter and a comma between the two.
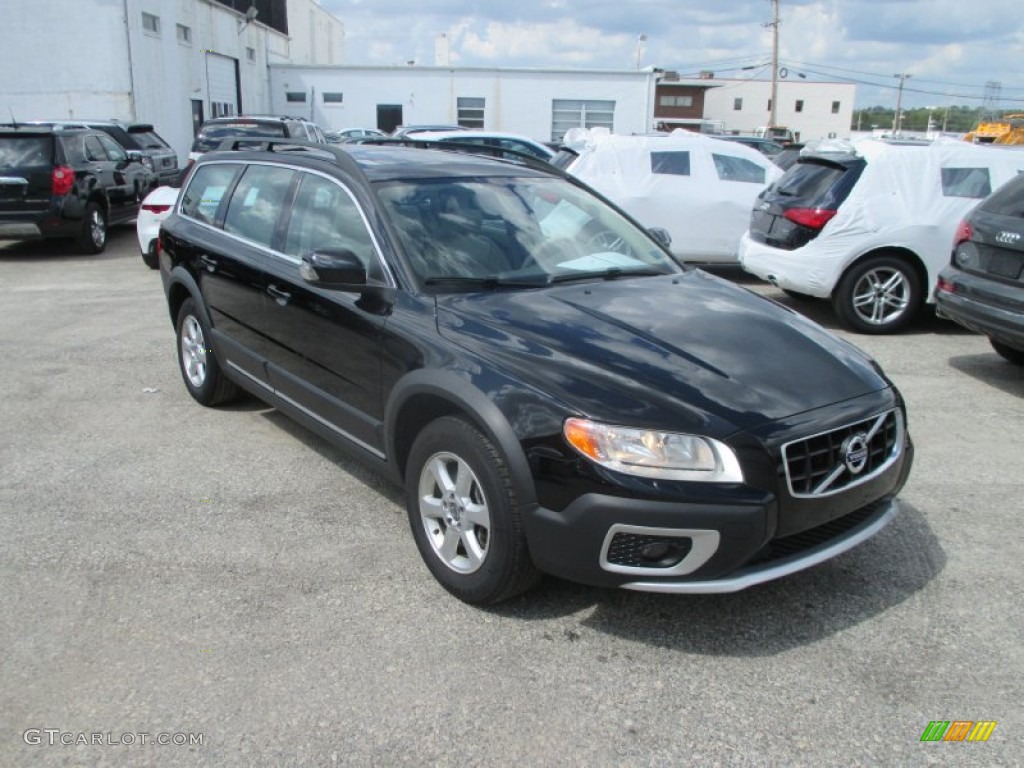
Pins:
x: 1009, y: 129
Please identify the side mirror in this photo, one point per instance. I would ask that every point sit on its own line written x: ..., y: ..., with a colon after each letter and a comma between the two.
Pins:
x: 333, y: 268
x: 661, y: 235
x: 134, y: 155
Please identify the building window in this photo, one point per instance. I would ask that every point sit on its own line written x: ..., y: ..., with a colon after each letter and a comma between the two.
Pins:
x: 471, y: 112
x: 333, y: 97
x: 151, y: 24
x: 835, y: 107
x: 184, y: 34
x: 250, y: 54
x: 737, y: 105
x: 675, y: 101
x: 579, y: 113
x: 296, y: 97
x: 222, y: 108
x: 799, y: 105
x: 769, y: 105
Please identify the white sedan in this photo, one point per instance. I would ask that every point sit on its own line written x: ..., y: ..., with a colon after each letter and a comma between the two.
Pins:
x: 155, y: 208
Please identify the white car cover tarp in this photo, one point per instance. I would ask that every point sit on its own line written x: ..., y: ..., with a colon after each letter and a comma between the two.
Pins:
x: 703, y: 200
x: 908, y: 196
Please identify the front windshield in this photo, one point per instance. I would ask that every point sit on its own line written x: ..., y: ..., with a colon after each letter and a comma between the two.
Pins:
x: 514, y: 231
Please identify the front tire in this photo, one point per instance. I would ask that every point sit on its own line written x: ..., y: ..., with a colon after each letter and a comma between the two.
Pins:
x: 464, y: 515
x: 1010, y: 354
x: 200, y: 370
x: 93, y: 238
x: 878, y: 295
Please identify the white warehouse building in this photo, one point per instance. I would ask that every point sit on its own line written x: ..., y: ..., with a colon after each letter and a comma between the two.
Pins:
x: 812, y: 110
x: 172, y: 63
x: 539, y: 103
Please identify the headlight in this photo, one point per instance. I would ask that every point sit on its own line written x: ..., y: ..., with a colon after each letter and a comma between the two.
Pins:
x: 650, y: 453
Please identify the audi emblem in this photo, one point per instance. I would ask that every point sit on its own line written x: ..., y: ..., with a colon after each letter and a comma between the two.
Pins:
x: 1008, y: 238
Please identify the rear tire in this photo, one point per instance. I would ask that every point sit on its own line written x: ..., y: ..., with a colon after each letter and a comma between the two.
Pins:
x: 199, y: 367
x: 93, y: 238
x: 881, y: 294
x: 464, y: 515
x: 1010, y: 354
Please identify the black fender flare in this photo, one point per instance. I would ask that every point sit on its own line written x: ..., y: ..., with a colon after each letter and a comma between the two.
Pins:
x: 180, y: 276
x: 463, y: 396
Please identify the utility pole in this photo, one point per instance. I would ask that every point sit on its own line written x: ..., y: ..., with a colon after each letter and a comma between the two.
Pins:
x: 774, y: 24
x: 897, y: 119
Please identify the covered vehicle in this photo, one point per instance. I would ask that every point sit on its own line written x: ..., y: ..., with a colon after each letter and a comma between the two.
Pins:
x: 869, y: 225
x: 699, y: 189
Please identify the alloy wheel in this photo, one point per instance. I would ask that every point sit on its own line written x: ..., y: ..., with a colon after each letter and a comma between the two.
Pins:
x: 881, y: 296
x: 193, y: 351
x: 454, y: 512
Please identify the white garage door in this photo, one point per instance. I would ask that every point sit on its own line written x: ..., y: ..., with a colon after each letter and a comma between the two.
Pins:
x: 221, y: 85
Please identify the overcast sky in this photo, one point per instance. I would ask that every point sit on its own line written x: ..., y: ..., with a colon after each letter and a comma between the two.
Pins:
x: 951, y: 48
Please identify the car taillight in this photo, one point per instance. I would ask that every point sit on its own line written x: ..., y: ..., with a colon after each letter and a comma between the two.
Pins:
x: 964, y: 232
x: 152, y: 208
x: 62, y: 179
x: 812, y: 218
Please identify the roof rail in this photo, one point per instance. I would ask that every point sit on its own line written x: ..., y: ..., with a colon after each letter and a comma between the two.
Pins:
x: 501, y: 153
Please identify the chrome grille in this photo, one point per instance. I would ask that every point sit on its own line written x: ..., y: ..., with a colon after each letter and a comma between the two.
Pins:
x: 833, y: 461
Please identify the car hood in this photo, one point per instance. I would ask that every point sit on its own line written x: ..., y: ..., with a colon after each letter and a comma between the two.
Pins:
x: 685, y: 352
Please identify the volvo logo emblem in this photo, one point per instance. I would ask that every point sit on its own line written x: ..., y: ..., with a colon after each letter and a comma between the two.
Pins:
x: 854, y: 453
x: 1007, y: 238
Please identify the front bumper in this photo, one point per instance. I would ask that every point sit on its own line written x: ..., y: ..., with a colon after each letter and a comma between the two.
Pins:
x: 706, y: 539
x: 983, y: 305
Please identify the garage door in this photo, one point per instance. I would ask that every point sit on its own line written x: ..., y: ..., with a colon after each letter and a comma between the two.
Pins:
x: 221, y: 85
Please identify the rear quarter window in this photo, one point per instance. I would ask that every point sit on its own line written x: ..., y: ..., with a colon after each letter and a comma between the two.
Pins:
x: 205, y: 191
x: 732, y: 168
x: 966, y: 182
x: 25, y: 151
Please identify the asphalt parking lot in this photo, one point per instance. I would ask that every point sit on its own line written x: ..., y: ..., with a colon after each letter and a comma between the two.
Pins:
x: 225, y: 577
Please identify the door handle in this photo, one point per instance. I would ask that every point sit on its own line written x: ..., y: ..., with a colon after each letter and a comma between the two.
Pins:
x: 208, y: 262
x: 281, y: 297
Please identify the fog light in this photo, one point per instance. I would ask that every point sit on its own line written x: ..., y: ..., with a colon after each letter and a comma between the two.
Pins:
x: 946, y: 286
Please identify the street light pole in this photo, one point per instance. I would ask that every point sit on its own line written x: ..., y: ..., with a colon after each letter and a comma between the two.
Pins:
x: 897, y: 119
x: 774, y: 24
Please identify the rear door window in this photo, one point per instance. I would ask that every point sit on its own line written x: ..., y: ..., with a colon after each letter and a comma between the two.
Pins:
x: 257, y: 203
x: 966, y: 182
x: 672, y: 163
x: 206, y: 190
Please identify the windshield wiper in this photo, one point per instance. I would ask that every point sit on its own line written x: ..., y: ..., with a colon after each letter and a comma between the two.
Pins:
x: 612, y: 273
x: 490, y: 281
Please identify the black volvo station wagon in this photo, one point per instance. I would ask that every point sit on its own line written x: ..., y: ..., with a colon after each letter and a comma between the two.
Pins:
x: 556, y: 393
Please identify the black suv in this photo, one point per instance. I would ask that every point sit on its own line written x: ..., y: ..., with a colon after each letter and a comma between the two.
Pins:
x: 141, y: 138
x: 57, y: 182
x: 983, y: 286
x: 214, y: 132
x: 556, y: 393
